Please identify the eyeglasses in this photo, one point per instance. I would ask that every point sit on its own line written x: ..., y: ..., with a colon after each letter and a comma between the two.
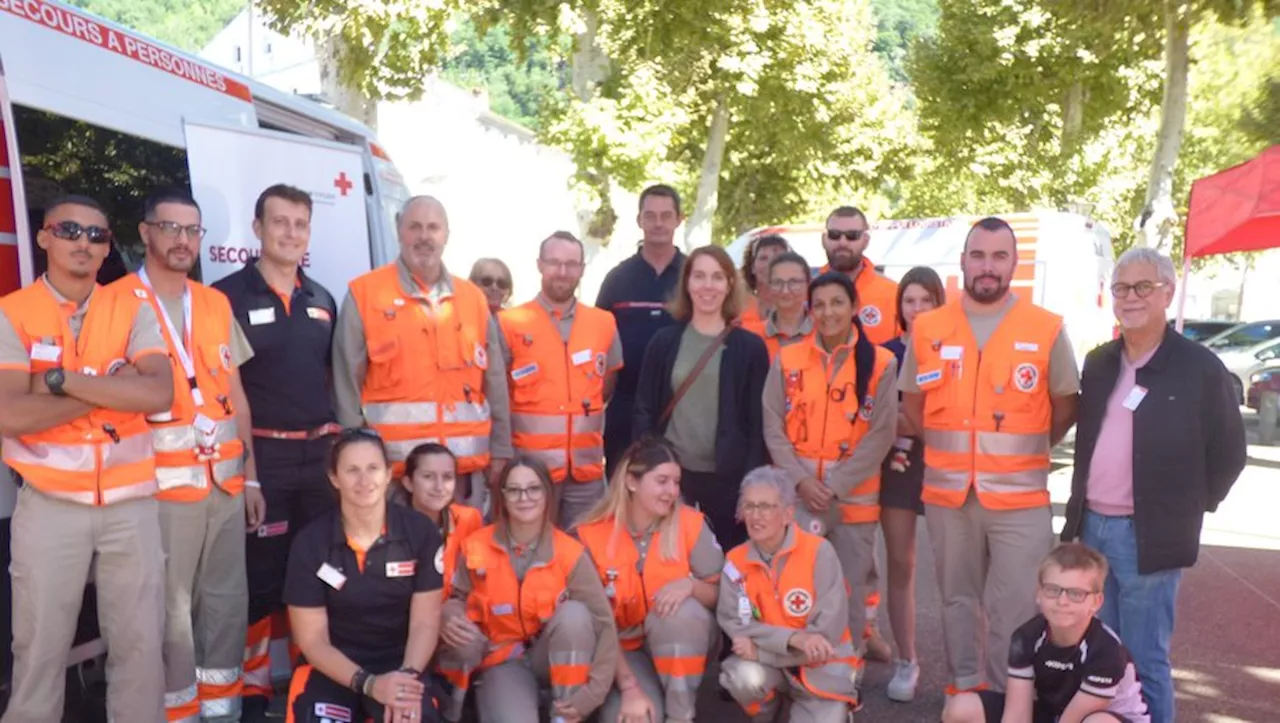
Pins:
x: 789, y: 285
x: 491, y: 281
x: 1143, y: 289
x: 853, y: 235
x: 72, y: 231
x: 1074, y: 594
x: 515, y: 494
x: 171, y: 230
x: 759, y: 508
x: 570, y: 266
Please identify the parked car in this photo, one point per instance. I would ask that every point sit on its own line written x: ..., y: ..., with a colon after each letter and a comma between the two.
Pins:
x: 1244, y: 336
x: 1243, y: 363
x: 1266, y: 379
x: 1202, y: 329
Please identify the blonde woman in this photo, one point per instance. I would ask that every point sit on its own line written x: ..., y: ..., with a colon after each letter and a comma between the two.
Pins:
x: 660, y: 565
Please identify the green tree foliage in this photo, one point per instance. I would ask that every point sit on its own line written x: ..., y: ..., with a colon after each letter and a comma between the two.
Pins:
x: 898, y: 24
x: 187, y: 24
x: 518, y: 83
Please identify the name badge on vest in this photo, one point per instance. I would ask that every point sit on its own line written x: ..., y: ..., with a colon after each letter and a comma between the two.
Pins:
x: 744, y: 610
x: 1026, y: 346
x: 401, y: 569
x: 951, y: 353
x: 524, y: 371
x: 330, y: 575
x: 258, y: 317
x: 580, y: 357
x: 503, y: 609
x: 46, y: 353
x: 205, y: 431
x: 1134, y: 398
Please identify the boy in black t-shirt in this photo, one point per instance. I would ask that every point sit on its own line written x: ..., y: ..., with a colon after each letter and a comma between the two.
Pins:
x: 1065, y: 666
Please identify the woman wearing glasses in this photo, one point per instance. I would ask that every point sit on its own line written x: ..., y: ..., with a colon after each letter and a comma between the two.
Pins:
x: 782, y: 602
x: 528, y: 609
x: 755, y: 268
x: 789, y: 322
x: 660, y: 564
x: 494, y: 279
x: 364, y: 598
x: 830, y: 416
x: 702, y: 363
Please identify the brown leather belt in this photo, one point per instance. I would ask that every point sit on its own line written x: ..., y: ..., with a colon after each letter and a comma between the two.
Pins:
x: 306, y: 434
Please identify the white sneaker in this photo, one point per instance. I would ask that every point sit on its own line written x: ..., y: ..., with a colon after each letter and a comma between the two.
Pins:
x: 906, y: 673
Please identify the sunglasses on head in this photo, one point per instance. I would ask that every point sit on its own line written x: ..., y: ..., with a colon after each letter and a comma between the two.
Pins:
x: 853, y: 235
x: 72, y: 231
x: 488, y: 281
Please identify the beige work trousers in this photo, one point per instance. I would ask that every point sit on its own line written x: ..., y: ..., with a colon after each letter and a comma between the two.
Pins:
x: 54, y: 543
x: 986, y: 561
x: 687, y: 633
x: 749, y: 683
x: 206, y: 603
x: 576, y: 499
x: 856, y: 549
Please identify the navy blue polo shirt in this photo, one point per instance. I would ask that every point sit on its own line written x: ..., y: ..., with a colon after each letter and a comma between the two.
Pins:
x: 638, y: 297
x: 368, y: 609
x: 288, y: 379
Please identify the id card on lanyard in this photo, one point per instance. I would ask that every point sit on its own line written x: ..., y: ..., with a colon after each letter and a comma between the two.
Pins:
x: 182, y: 343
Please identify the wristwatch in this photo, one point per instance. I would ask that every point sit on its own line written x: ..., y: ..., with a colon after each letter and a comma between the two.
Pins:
x: 54, y: 379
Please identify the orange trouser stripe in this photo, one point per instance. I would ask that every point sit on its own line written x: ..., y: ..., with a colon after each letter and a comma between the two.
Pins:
x: 953, y: 690
x: 566, y: 675
x: 677, y: 667
x: 296, y: 686
x: 186, y: 711
x: 753, y: 708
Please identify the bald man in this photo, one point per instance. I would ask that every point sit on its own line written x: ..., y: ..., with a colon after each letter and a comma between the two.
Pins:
x: 417, y: 358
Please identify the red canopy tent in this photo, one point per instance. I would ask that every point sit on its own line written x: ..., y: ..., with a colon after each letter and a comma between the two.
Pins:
x: 1235, y: 210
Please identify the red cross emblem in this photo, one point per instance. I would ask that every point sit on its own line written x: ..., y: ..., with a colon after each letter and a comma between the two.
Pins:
x: 870, y: 315
x: 1025, y: 377
x: 342, y: 183
x: 798, y: 601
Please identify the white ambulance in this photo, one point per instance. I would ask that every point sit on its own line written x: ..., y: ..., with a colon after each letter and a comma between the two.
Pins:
x: 1065, y: 261
x: 93, y: 108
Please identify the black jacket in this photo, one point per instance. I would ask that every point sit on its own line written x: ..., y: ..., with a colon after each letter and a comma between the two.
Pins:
x: 739, y: 423
x: 1188, y: 446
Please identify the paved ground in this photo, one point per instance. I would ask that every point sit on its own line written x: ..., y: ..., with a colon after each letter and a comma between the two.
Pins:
x: 1226, y: 649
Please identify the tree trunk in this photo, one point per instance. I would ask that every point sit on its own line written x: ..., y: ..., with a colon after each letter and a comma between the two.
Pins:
x: 344, y: 98
x: 698, y: 230
x: 590, y: 65
x: 1072, y: 118
x: 1159, y: 217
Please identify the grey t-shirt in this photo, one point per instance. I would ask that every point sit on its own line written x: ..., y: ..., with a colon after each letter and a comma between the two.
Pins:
x: 691, y: 429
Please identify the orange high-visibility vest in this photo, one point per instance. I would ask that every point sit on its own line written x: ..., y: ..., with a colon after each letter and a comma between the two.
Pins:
x: 825, y: 421
x: 463, y: 521
x: 557, y: 388
x: 631, y: 590
x: 987, y: 416
x: 185, y: 466
x: 877, y: 303
x: 787, y: 602
x: 773, y: 342
x: 105, y: 456
x: 509, y: 612
x: 425, y: 381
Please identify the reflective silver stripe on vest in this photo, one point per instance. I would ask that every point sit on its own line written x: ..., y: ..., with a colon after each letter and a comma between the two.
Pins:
x: 946, y: 479
x: 1032, y: 480
x: 398, y: 450
x: 81, y: 498
x: 587, y: 456
x: 589, y: 423
x: 79, y: 457
x: 1006, y: 444
x: 195, y: 475
x: 552, y: 458
x: 183, y: 438
x: 377, y: 413
x: 180, y: 697
x: 546, y: 424
x: 941, y: 440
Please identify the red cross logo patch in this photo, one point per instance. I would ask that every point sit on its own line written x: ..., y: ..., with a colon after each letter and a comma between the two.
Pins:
x: 868, y: 407
x: 224, y: 353
x: 870, y: 315
x: 798, y: 602
x: 1026, y: 377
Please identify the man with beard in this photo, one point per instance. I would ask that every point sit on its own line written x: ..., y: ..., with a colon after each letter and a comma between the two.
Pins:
x: 204, y: 467
x: 564, y: 358
x: 990, y: 382
x: 80, y: 367
x: 845, y: 241
x: 417, y: 356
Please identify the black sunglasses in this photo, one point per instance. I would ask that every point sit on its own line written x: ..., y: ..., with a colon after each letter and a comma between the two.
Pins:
x: 72, y: 231
x: 487, y: 281
x: 854, y: 235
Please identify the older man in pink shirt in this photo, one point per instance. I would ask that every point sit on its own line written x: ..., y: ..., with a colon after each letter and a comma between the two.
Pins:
x: 1159, y: 442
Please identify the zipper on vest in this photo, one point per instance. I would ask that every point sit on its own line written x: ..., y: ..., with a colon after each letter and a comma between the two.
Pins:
x: 568, y: 395
x: 97, y: 459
